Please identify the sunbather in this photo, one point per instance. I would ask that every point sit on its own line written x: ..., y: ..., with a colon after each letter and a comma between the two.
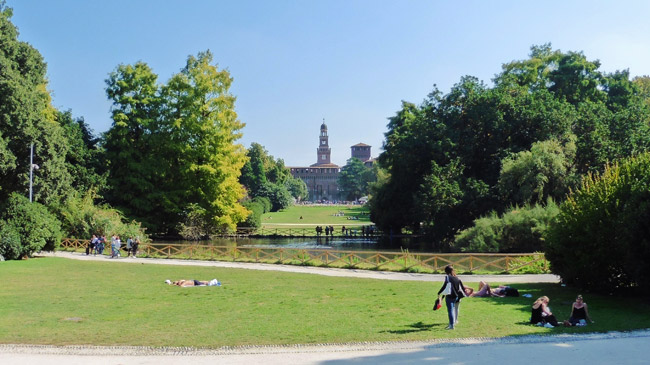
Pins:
x: 190, y: 282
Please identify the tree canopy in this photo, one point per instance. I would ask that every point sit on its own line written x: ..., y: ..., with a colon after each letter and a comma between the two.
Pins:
x: 545, y: 121
x: 172, y: 148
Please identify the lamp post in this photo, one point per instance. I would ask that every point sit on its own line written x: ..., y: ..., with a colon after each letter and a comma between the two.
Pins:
x: 32, y: 167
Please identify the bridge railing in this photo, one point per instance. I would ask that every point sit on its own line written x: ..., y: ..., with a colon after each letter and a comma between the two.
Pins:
x: 369, y: 260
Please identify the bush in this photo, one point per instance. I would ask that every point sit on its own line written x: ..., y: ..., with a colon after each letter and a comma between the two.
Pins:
x: 265, y: 202
x: 27, y: 227
x: 518, y: 230
x: 81, y: 218
x: 278, y: 195
x: 601, y: 238
x: 254, y: 219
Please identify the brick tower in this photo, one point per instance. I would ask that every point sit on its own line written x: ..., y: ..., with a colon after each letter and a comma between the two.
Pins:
x: 323, y: 151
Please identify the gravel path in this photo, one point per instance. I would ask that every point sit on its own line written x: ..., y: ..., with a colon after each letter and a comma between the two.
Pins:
x: 383, y: 275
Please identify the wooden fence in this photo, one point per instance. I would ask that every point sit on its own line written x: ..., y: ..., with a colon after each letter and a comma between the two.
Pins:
x: 368, y: 260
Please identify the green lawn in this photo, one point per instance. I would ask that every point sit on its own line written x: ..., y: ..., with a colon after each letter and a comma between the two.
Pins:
x: 313, y: 215
x: 59, y: 301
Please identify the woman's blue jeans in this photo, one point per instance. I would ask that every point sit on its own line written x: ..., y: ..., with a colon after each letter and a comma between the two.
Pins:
x: 452, y: 310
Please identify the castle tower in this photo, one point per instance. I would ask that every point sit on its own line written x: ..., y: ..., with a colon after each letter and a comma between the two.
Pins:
x: 361, y: 151
x: 323, y: 151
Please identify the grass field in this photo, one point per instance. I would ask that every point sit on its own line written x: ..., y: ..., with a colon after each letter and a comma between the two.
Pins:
x: 62, y: 302
x: 313, y: 215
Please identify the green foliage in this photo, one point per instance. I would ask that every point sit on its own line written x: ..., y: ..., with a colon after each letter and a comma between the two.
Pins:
x: 254, y: 219
x: 600, y: 239
x: 81, y: 218
x: 519, y: 230
x: 27, y: 228
x: 278, y: 195
x: 173, y: 145
x: 533, y: 176
x: 195, y: 226
x: 547, y: 120
x: 84, y: 158
x: 26, y: 117
x: 264, y: 176
x: 355, y: 178
x: 297, y: 188
x: 265, y: 202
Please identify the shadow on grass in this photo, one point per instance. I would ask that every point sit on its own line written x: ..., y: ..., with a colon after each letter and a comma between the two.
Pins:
x: 415, y: 327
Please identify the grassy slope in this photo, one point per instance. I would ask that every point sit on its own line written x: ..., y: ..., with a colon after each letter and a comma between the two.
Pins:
x: 317, y: 215
x: 58, y: 301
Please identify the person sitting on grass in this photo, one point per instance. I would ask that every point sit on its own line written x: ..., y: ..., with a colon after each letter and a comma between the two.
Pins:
x: 579, y: 313
x: 541, y: 314
x: 185, y: 283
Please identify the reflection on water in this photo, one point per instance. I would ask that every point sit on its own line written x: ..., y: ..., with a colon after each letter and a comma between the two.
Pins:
x: 413, y: 244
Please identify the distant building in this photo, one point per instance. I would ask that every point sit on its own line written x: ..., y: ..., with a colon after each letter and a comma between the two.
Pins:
x: 361, y: 151
x: 322, y: 177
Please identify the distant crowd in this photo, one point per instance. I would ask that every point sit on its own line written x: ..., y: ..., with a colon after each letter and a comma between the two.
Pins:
x: 98, y: 244
x: 364, y: 231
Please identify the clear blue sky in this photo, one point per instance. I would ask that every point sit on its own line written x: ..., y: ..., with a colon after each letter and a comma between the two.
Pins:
x: 294, y: 63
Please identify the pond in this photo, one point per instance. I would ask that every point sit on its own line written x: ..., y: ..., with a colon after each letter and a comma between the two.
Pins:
x: 395, y: 244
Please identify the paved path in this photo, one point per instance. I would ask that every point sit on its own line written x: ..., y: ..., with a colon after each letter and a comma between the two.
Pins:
x: 595, y: 348
x: 608, y: 348
x: 368, y: 274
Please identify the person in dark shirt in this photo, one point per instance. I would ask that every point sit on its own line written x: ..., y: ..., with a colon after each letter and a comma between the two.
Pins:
x: 579, y: 313
x: 541, y: 314
x: 452, y: 295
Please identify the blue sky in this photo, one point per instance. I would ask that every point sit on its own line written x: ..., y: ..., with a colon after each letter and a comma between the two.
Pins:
x: 294, y: 63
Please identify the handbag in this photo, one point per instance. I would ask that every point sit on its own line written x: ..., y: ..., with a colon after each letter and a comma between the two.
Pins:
x: 447, y: 289
x: 437, y: 305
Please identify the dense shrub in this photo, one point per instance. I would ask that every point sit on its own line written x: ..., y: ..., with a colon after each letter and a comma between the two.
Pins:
x: 81, y: 218
x: 265, y: 202
x: 518, y: 230
x: 27, y: 227
x: 254, y: 219
x: 601, y: 237
x: 278, y: 195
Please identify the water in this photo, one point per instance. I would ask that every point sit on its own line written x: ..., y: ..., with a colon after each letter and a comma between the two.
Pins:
x: 413, y: 244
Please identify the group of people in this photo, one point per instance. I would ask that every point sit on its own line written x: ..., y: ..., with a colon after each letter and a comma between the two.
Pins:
x: 97, y: 244
x: 541, y: 315
x: 329, y: 230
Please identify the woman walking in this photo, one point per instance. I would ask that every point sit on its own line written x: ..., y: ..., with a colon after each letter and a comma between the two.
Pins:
x: 453, y: 290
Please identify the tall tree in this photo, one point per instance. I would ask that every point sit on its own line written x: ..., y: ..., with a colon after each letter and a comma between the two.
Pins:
x: 205, y: 132
x: 354, y: 179
x: 27, y: 117
x: 131, y: 149
x: 84, y: 159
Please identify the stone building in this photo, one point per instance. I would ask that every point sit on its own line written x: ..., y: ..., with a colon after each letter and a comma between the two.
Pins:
x: 322, y: 177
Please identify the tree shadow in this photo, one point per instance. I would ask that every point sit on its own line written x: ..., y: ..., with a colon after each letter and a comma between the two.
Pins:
x: 415, y: 327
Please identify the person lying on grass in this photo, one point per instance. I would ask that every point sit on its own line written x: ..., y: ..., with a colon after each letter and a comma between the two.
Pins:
x: 484, y: 290
x: 190, y: 282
